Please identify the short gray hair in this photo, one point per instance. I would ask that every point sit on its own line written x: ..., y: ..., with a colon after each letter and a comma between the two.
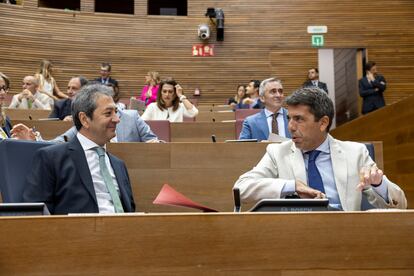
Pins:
x: 264, y: 83
x: 85, y: 101
x: 316, y: 99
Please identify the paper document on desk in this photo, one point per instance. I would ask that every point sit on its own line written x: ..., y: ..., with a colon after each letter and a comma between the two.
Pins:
x: 276, y: 138
x: 169, y: 196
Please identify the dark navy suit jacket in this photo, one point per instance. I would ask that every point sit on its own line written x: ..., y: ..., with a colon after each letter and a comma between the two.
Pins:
x: 255, y: 126
x: 321, y: 85
x: 372, y: 99
x: 61, y: 109
x: 7, y: 126
x: 60, y: 177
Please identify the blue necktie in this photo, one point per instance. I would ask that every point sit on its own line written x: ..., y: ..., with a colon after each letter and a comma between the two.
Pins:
x: 314, y: 177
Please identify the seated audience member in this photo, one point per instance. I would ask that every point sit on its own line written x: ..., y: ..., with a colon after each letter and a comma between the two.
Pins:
x: 105, y: 77
x: 119, y: 105
x: 240, y: 95
x: 5, y: 124
x: 62, y: 108
x: 80, y: 176
x: 252, y: 100
x: 313, y: 80
x: 47, y: 83
x: 149, y: 91
x: 272, y: 119
x: 31, y: 98
x: 315, y: 165
x: 171, y: 104
x: 372, y: 88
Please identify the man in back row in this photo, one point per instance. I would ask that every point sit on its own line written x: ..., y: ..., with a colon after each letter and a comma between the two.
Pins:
x: 62, y: 108
x: 272, y: 119
x: 30, y: 97
x: 79, y: 176
x: 315, y: 165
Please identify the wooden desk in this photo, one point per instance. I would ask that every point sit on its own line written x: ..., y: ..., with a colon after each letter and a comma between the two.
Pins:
x: 25, y: 114
x: 215, y: 116
x: 202, y: 131
x: 333, y: 243
x: 205, y: 172
x: 48, y: 129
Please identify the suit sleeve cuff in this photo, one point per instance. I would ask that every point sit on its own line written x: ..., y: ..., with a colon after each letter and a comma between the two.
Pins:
x: 288, y: 189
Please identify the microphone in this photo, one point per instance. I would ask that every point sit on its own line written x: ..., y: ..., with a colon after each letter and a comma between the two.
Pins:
x: 236, y: 196
x: 213, y: 138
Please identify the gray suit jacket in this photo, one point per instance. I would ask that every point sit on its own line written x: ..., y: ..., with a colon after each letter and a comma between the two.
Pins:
x: 284, y: 161
x: 131, y: 128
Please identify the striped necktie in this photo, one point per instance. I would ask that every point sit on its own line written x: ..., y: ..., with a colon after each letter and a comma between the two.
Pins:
x: 275, y: 127
x: 108, y: 180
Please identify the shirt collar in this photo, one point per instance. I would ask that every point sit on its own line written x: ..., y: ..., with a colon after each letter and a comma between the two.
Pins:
x: 268, y: 113
x: 86, y: 143
x: 324, y: 147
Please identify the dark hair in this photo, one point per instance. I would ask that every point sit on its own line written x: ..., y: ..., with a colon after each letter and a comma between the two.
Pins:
x: 6, y: 80
x: 314, y: 68
x: 85, y: 101
x: 316, y: 99
x: 115, y: 88
x: 256, y: 83
x: 106, y: 65
x: 368, y: 66
x: 83, y: 81
x: 160, y: 101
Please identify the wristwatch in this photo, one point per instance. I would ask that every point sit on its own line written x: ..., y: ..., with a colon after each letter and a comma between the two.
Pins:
x: 182, y: 98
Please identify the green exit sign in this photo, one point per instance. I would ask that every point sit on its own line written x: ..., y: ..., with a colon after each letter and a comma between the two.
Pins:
x: 317, y: 41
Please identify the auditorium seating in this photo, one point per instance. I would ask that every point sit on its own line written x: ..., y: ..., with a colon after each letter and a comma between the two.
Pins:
x: 26, y: 114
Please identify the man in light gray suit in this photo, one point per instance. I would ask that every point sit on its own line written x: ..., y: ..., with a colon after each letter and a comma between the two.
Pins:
x: 315, y: 165
x: 131, y: 128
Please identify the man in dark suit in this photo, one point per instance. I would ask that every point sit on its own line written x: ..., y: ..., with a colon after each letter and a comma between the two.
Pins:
x: 272, y: 119
x: 106, y: 75
x: 62, y: 108
x: 371, y: 88
x: 79, y: 176
x: 313, y: 80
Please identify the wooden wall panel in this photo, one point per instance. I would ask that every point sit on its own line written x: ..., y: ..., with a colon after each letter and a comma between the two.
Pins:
x: 255, y: 34
x: 88, y: 5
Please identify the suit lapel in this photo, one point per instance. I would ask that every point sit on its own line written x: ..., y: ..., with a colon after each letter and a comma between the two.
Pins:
x: 262, y: 124
x: 286, y: 123
x: 340, y: 170
x: 120, y: 178
x: 298, y: 164
x: 79, y: 159
x: 120, y: 134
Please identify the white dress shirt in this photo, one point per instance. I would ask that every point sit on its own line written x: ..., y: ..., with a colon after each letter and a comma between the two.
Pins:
x: 103, y: 197
x: 280, y: 122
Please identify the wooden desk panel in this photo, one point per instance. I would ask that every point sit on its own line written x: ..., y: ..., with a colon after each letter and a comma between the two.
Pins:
x: 48, y: 129
x: 210, y: 244
x: 25, y: 114
x: 202, y: 131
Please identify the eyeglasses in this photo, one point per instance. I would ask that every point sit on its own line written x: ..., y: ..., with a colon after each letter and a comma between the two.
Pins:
x: 3, y: 88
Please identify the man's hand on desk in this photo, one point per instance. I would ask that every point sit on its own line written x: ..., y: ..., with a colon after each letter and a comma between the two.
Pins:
x: 22, y: 132
x: 305, y: 191
x: 369, y: 176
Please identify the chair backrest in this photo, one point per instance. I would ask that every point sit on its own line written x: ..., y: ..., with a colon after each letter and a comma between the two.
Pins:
x: 241, y: 114
x: 161, y: 128
x: 239, y: 126
x: 15, y: 163
x: 137, y: 105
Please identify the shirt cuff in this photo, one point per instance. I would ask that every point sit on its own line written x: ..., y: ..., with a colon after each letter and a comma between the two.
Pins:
x: 288, y: 189
x: 382, y: 189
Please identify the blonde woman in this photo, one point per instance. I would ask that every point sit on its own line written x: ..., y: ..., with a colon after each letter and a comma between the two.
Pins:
x: 47, y: 83
x: 149, y: 92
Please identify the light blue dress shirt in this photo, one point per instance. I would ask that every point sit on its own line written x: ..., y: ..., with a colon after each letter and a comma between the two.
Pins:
x: 324, y: 164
